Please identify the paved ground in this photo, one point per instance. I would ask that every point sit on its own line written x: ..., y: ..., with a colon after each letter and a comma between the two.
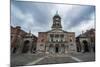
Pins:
x: 85, y: 57
x: 37, y: 59
x: 56, y: 60
x: 23, y: 59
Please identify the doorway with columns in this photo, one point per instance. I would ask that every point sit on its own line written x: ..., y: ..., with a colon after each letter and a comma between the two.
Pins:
x: 56, y: 48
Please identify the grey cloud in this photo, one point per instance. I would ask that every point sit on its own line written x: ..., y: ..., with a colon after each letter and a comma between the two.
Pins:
x: 39, y: 11
x: 41, y: 14
x: 77, y: 14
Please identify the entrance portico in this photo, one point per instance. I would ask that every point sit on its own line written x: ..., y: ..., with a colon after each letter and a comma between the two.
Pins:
x: 56, y: 48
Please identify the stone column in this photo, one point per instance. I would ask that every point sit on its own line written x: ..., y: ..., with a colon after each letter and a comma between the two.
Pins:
x: 53, y: 49
x: 12, y: 49
x: 66, y: 48
x: 82, y: 46
x: 47, y: 49
x: 20, y: 48
x: 30, y: 46
x: 60, y: 49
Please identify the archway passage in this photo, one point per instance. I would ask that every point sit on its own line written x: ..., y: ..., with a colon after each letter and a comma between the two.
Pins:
x: 25, y: 47
x: 86, y: 47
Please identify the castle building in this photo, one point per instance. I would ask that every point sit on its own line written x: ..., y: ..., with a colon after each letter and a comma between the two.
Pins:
x: 56, y: 40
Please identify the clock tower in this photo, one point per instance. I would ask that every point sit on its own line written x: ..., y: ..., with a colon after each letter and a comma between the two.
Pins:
x: 56, y: 21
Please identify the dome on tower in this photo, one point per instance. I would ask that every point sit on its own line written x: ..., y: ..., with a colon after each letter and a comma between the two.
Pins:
x: 56, y: 15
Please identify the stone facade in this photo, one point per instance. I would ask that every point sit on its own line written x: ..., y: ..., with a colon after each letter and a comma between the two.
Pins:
x: 29, y: 43
x: 86, y: 41
x: 56, y: 41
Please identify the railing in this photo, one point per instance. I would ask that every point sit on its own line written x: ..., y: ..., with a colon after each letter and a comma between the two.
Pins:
x: 57, y: 41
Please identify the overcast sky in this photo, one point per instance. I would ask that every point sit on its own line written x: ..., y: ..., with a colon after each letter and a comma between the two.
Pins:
x: 37, y: 17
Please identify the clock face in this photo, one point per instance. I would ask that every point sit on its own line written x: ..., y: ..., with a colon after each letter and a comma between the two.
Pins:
x: 57, y: 18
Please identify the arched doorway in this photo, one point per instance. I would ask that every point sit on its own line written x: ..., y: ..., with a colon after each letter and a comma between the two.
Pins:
x: 26, y: 46
x: 85, y: 46
x: 56, y: 48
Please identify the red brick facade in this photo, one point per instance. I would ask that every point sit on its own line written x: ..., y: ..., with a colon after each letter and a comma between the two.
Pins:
x: 17, y: 38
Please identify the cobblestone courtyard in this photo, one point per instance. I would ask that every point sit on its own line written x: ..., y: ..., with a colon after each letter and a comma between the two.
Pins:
x: 37, y: 59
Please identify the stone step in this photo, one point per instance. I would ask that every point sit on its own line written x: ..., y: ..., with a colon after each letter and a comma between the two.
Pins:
x: 57, y: 55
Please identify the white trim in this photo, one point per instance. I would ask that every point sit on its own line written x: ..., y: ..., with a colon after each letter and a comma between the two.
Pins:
x: 76, y: 59
x: 34, y: 62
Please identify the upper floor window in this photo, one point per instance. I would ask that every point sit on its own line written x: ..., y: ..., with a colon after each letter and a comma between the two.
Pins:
x: 51, y: 35
x: 61, y: 35
x: 56, y: 36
